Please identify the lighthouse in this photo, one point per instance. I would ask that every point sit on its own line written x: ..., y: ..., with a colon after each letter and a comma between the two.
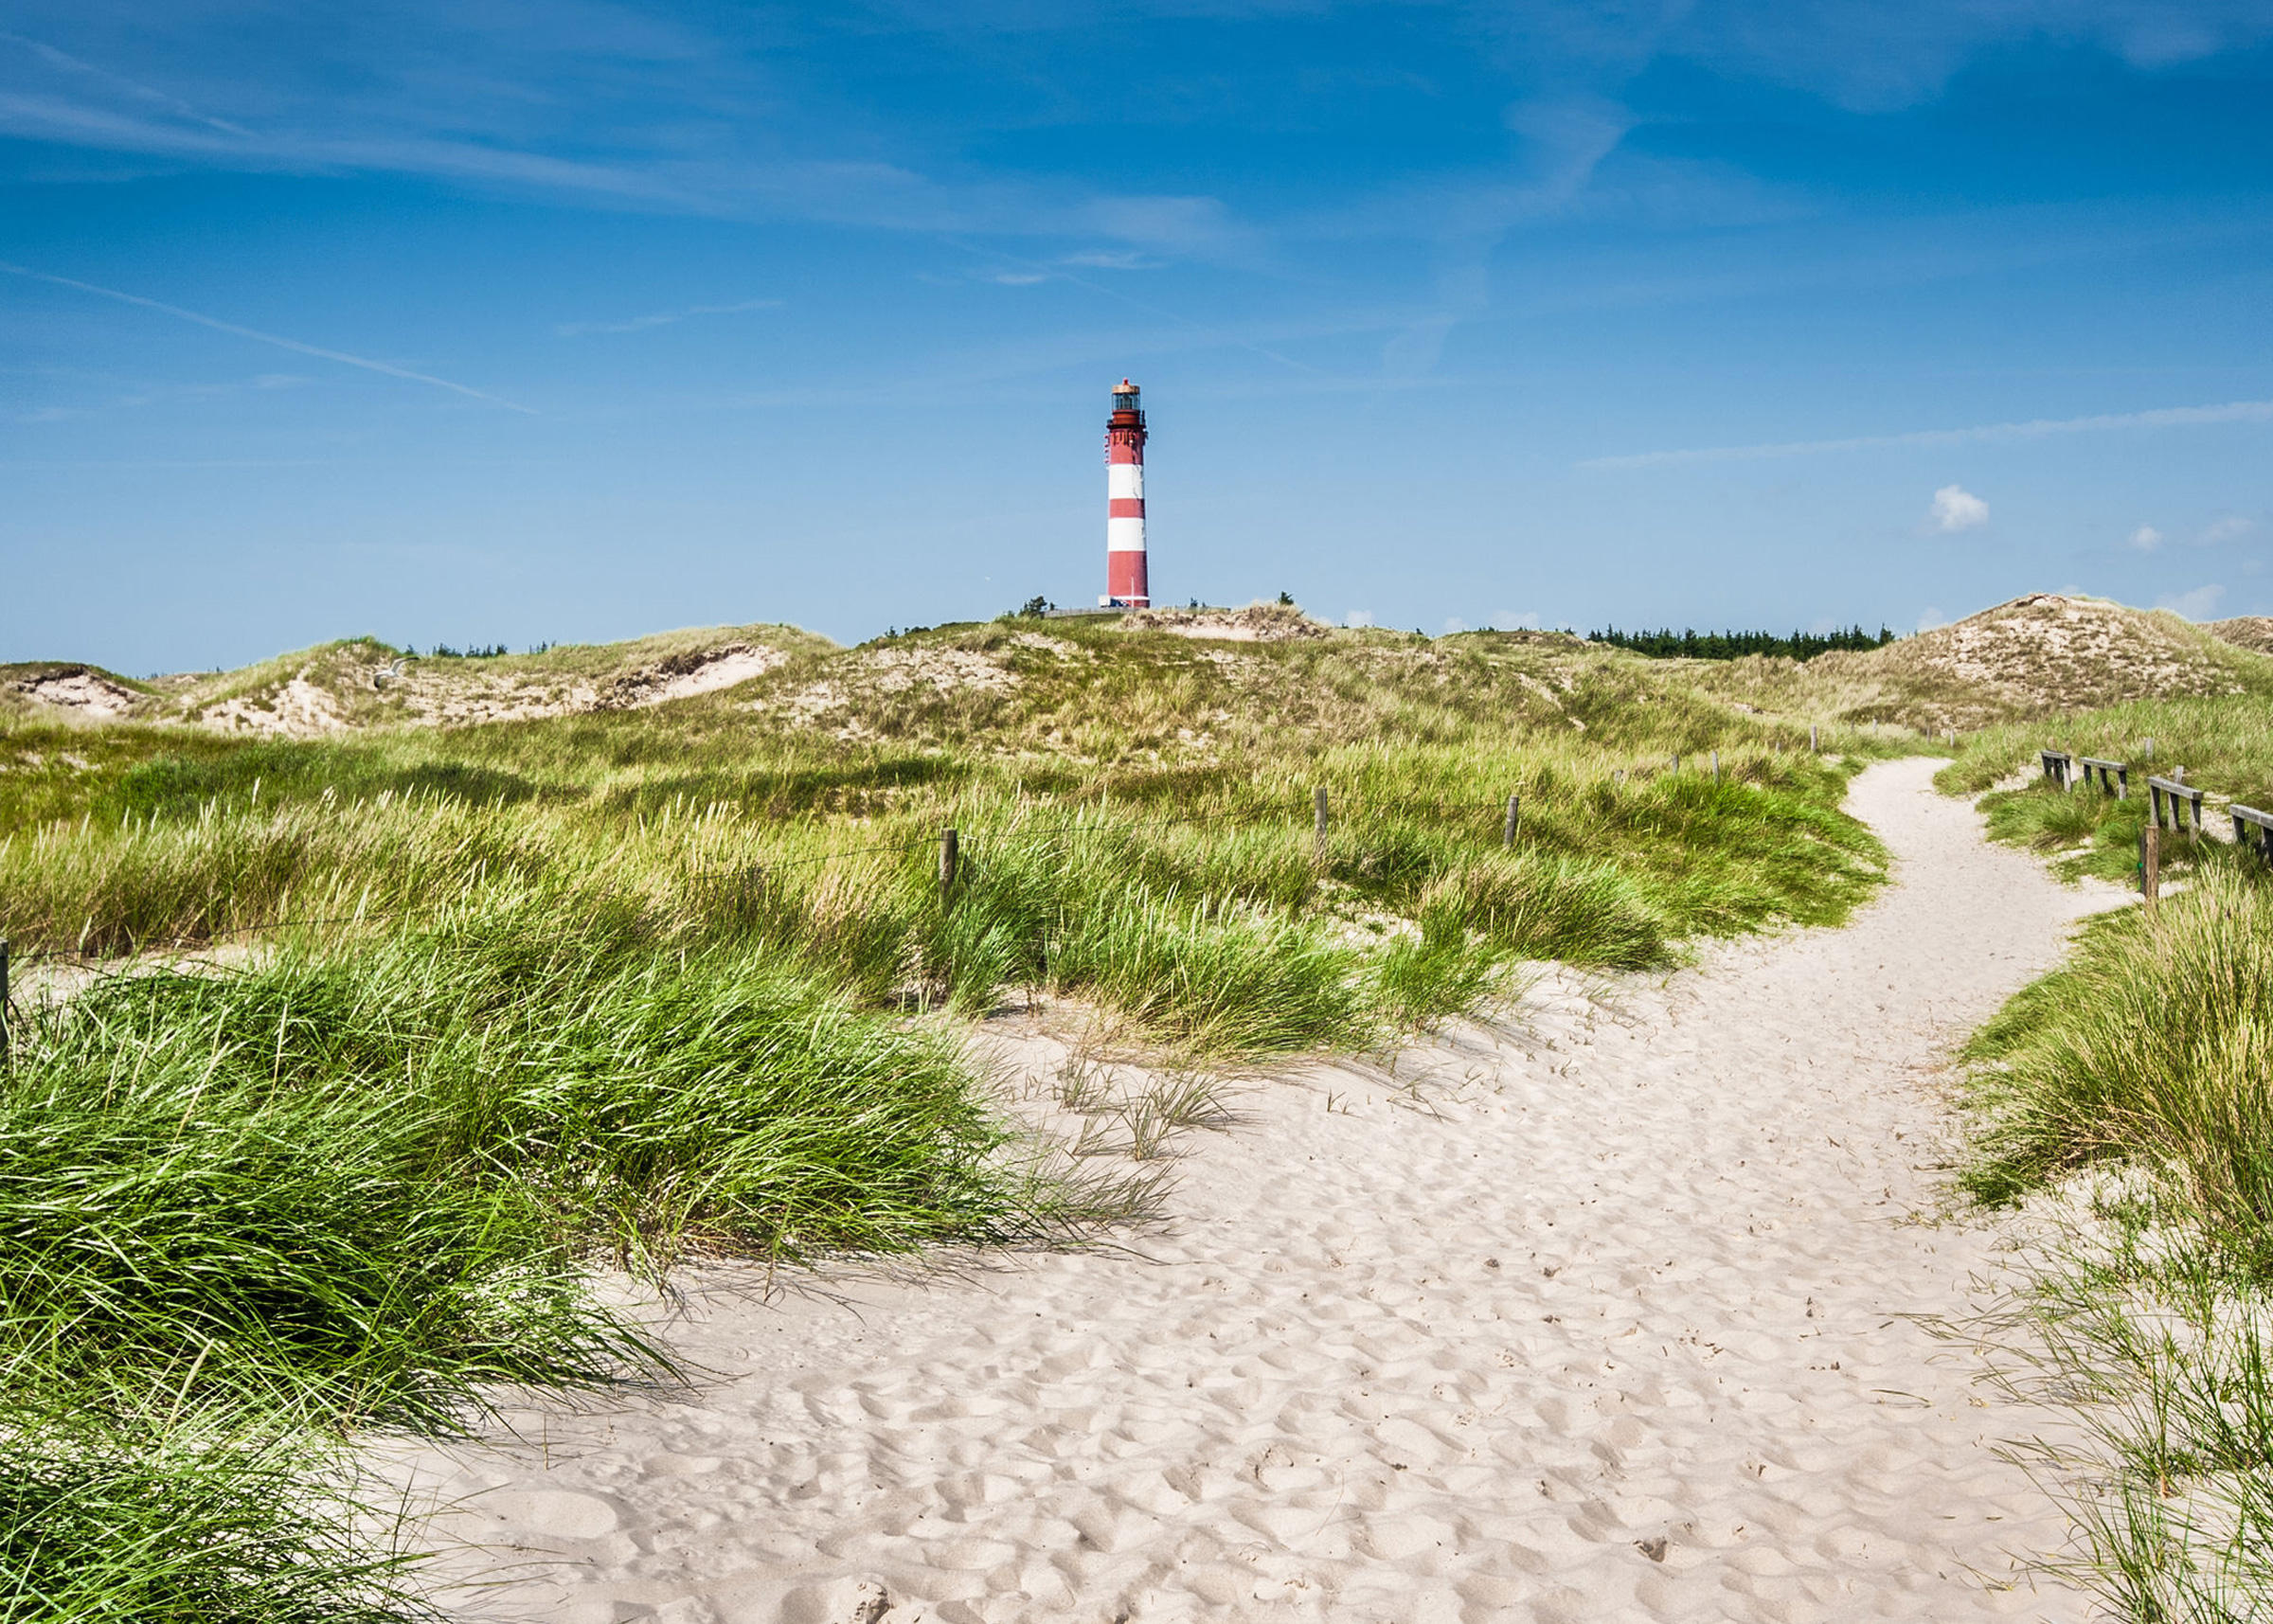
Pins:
x: 1127, y: 587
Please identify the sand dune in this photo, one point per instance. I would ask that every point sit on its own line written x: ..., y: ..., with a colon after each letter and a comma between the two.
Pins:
x: 1598, y: 1316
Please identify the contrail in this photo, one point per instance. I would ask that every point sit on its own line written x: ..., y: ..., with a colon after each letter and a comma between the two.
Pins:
x: 292, y: 344
x: 2231, y: 412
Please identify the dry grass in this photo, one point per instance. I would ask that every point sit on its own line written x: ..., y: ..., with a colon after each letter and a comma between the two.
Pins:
x: 2038, y: 655
x: 1256, y: 623
x: 360, y: 683
x: 1169, y: 684
x: 2252, y: 632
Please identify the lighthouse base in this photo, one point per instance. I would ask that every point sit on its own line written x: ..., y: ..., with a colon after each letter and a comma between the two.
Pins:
x: 1128, y: 582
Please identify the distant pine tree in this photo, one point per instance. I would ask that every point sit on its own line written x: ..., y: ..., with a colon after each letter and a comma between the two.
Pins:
x: 1694, y: 645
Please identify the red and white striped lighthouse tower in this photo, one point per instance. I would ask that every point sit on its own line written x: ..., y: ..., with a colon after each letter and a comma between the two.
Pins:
x: 1127, y: 587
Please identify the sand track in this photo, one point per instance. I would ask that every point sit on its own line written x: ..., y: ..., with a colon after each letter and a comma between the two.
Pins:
x: 1599, y: 1318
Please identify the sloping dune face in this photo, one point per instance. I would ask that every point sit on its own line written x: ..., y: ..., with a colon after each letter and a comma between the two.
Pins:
x: 1256, y: 623
x: 2035, y: 657
x: 2254, y: 632
x: 340, y: 687
x: 2045, y: 652
x: 79, y: 689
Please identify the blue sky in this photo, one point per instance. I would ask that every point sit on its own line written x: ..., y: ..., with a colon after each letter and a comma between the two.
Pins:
x: 516, y: 322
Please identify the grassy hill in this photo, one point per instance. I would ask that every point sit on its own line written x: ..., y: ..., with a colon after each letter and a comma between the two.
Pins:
x: 1172, y: 682
x: 1182, y: 733
x: 2037, y: 656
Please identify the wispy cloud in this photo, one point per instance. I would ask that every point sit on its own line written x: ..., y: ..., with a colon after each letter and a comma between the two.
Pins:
x: 160, y: 395
x: 662, y: 318
x: 1110, y: 260
x: 2146, y: 538
x: 2039, y: 428
x: 132, y: 90
x: 1213, y: 333
x: 258, y: 337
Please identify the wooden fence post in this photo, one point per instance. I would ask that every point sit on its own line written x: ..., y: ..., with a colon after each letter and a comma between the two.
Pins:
x: 6, y: 1036
x: 2150, y: 751
x: 950, y: 860
x: 1507, y: 833
x: 1676, y: 761
x: 1716, y: 766
x: 1812, y: 741
x: 2149, y: 863
x: 1317, y: 800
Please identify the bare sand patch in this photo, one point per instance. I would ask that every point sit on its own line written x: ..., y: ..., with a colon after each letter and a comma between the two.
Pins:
x: 1598, y: 1313
x: 704, y: 670
x: 876, y: 672
x: 80, y: 689
x: 451, y: 695
x: 1256, y: 623
x: 298, y: 710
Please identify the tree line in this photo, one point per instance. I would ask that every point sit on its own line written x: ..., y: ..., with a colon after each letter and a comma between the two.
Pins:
x: 1694, y: 645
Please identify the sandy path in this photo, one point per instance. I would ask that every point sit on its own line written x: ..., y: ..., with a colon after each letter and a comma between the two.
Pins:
x: 1610, y: 1332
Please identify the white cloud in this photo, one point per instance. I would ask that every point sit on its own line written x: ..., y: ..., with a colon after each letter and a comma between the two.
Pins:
x: 1509, y: 620
x: 2146, y: 538
x: 1929, y: 618
x: 2199, y: 604
x: 1956, y: 508
x: 1359, y: 617
x: 1454, y: 623
x: 2231, y: 528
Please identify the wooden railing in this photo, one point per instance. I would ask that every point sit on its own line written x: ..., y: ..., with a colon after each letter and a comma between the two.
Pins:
x: 2112, y: 775
x: 2174, y: 797
x: 2254, y: 830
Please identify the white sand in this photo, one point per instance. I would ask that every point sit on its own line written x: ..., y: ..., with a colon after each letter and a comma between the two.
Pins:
x: 1601, y: 1320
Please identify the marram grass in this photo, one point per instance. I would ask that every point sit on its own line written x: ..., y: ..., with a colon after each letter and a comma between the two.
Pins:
x: 2153, y: 1046
x: 1107, y: 899
x: 186, y: 1522
x: 607, y: 989
x: 2139, y: 1079
x: 336, y: 1189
